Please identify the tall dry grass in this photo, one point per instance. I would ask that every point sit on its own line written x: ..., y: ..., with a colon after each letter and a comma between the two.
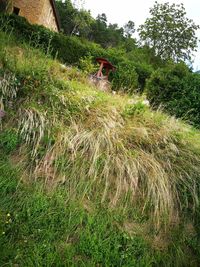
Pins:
x: 8, y: 88
x: 144, y: 159
x: 31, y: 128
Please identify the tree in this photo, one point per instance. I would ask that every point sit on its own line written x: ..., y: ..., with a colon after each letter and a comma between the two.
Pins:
x: 74, y: 19
x: 99, y: 30
x: 129, y: 29
x: 102, y: 18
x: 107, y: 35
x: 169, y: 32
x: 114, y: 35
x: 67, y: 13
x: 82, y: 23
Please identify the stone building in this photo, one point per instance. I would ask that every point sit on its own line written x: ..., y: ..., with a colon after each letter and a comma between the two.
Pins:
x: 42, y: 12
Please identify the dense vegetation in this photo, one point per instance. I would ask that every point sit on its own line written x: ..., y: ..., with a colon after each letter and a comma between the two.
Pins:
x: 70, y: 50
x: 89, y: 178
x: 135, y: 63
x: 167, y: 33
x: 177, y: 90
x: 92, y: 178
x: 79, y: 22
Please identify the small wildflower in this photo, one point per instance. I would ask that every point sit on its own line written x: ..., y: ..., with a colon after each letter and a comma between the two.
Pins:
x: 8, y: 215
x: 3, y: 233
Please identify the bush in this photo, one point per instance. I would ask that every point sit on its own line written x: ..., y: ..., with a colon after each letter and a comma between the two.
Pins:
x: 164, y: 83
x: 144, y: 72
x: 125, y: 78
x: 186, y: 103
x: 67, y: 49
x: 177, y: 90
x: 87, y: 65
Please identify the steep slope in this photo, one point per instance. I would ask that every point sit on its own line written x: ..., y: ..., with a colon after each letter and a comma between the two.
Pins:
x: 90, y: 178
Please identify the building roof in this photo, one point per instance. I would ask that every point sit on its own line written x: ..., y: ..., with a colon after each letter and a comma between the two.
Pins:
x: 56, y: 14
x: 106, y: 63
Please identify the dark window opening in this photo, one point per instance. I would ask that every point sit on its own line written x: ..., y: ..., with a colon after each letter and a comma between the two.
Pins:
x: 16, y: 10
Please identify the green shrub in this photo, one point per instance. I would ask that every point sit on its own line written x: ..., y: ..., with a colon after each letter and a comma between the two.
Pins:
x: 164, y: 83
x: 67, y: 49
x: 144, y: 72
x: 87, y: 65
x: 186, y: 103
x: 125, y: 78
x: 177, y: 90
x: 36, y: 35
x: 133, y: 109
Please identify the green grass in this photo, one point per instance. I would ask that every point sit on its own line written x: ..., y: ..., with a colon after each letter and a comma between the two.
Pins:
x: 40, y: 229
x: 89, y: 178
x: 49, y: 229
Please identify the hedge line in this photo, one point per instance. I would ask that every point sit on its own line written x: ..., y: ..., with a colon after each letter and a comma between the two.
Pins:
x: 177, y: 90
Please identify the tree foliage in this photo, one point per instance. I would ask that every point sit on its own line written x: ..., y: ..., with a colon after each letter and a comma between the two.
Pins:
x: 129, y: 28
x: 78, y: 21
x: 3, y: 5
x: 169, y: 32
x: 74, y: 21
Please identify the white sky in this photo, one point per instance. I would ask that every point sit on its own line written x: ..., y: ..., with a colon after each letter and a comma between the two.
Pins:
x: 121, y: 11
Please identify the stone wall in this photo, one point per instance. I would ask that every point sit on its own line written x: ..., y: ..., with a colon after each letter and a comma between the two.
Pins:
x: 47, y: 17
x: 37, y: 12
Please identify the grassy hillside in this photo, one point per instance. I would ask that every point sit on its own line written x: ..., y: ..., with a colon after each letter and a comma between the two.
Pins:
x: 89, y: 178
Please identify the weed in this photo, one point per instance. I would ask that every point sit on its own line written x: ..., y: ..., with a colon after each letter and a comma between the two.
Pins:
x: 9, y: 140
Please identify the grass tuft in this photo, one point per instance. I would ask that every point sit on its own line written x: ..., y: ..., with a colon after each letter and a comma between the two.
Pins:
x: 32, y: 128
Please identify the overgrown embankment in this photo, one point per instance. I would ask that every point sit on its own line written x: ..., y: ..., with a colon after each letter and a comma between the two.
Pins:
x: 133, y: 70
x: 89, y: 178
